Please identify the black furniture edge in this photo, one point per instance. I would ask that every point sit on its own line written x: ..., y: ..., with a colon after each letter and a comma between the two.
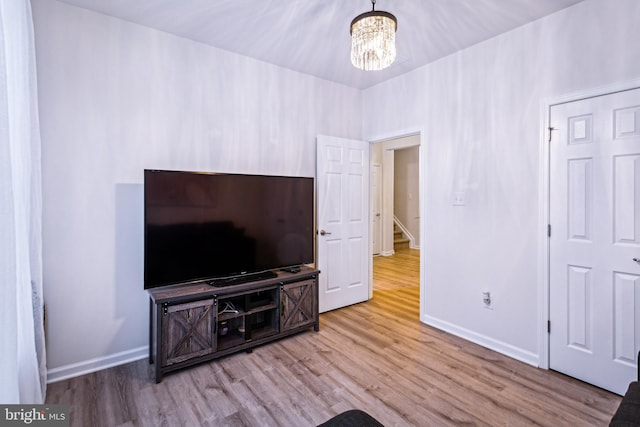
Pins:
x: 628, y: 412
x: 352, y: 418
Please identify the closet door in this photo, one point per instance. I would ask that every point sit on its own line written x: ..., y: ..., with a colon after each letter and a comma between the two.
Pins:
x: 595, y: 239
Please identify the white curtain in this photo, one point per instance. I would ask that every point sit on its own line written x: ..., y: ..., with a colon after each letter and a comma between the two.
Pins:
x: 22, y: 351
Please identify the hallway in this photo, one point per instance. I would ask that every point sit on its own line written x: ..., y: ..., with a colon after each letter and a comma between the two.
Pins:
x: 401, y: 270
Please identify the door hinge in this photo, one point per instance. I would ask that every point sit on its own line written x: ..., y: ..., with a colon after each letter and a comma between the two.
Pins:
x: 549, y: 230
x: 165, y: 308
x: 551, y: 129
x: 548, y: 326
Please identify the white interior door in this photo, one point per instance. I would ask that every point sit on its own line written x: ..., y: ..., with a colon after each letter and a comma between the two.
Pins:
x: 343, y: 251
x: 595, y: 236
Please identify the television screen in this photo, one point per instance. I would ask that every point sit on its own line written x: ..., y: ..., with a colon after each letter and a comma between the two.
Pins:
x: 207, y: 226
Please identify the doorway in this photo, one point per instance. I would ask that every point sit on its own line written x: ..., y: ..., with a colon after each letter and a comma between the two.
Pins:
x: 396, y: 218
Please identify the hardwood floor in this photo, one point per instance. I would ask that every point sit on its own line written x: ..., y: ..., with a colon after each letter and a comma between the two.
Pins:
x: 397, y: 271
x: 375, y: 356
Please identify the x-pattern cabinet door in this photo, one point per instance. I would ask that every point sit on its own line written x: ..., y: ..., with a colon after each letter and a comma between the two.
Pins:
x: 298, y: 304
x: 189, y: 331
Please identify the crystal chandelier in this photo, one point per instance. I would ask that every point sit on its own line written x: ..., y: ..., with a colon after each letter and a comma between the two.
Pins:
x: 373, y: 39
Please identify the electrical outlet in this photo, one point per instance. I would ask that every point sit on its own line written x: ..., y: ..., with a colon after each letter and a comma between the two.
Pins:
x: 486, y: 299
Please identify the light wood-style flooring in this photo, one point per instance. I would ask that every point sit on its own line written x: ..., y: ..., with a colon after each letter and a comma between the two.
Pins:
x: 398, y: 271
x: 375, y: 356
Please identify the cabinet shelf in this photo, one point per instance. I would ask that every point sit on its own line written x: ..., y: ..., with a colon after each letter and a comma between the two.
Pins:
x: 230, y: 341
x: 227, y: 316
x: 265, y: 331
x: 189, y: 323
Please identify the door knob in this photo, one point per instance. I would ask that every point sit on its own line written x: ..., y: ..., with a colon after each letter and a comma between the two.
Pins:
x: 636, y: 259
x: 322, y: 232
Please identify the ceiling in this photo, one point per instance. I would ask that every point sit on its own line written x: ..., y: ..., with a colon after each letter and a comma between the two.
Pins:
x: 312, y: 36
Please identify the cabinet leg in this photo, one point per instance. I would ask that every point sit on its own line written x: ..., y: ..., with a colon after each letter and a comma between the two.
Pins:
x: 150, y: 331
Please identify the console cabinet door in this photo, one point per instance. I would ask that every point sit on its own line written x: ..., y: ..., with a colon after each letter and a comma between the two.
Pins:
x: 298, y: 304
x: 188, y: 331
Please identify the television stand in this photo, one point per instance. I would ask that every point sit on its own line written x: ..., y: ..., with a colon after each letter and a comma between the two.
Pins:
x: 195, y: 323
x: 245, y: 278
x: 291, y: 269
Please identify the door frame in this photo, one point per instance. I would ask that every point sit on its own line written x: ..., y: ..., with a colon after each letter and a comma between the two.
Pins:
x: 422, y: 156
x: 544, y: 204
x: 376, y: 196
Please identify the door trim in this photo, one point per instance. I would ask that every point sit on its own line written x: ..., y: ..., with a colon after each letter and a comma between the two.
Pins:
x: 389, y: 147
x: 422, y: 161
x: 544, y: 203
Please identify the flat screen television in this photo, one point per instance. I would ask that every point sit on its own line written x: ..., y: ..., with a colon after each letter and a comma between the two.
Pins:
x: 223, y: 228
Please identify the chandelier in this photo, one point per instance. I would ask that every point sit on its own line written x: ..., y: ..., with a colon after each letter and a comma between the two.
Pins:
x: 373, y: 39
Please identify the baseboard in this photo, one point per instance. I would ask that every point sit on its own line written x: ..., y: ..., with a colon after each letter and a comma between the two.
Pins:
x: 490, y: 343
x: 96, y: 364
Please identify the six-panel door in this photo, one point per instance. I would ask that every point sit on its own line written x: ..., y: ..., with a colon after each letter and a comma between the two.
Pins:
x: 595, y: 236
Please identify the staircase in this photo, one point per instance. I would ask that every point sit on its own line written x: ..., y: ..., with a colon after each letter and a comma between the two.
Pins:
x: 400, y: 241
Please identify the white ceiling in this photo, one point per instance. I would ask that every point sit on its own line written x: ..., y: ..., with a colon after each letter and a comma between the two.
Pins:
x: 312, y: 36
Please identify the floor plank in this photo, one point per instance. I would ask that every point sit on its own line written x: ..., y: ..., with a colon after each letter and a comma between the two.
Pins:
x: 397, y: 271
x: 375, y: 356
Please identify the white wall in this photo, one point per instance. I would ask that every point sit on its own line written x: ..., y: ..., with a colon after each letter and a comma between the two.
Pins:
x: 406, y: 192
x: 480, y: 111
x: 116, y: 98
